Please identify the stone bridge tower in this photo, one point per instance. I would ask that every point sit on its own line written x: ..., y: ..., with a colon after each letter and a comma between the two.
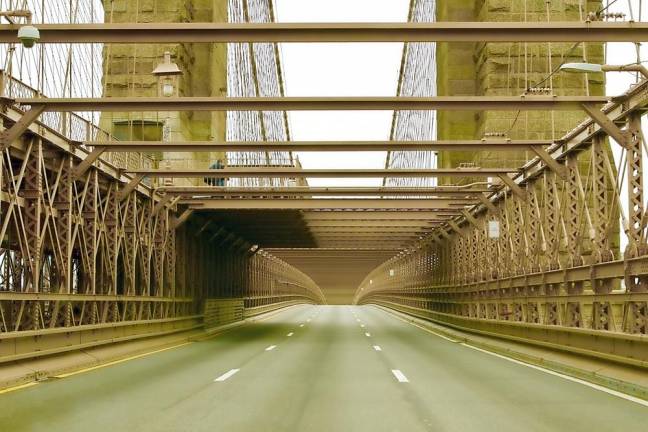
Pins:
x: 128, y: 72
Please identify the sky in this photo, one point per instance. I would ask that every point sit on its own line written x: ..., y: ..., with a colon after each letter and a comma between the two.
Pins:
x: 341, y: 70
x: 372, y: 70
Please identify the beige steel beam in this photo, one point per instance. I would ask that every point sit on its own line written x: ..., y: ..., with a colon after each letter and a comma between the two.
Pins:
x: 386, y: 215
x: 383, y: 103
x: 369, y: 229
x: 304, y: 146
x: 322, y: 191
x: 390, y: 223
x: 326, y: 203
x: 324, y: 173
x: 165, y: 33
x: 363, y: 236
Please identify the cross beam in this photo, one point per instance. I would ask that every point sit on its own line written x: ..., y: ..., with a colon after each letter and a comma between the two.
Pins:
x: 336, y: 32
x: 389, y: 223
x: 326, y: 203
x: 383, y: 103
x: 321, y: 191
x: 323, y: 173
x: 304, y: 146
x: 386, y: 215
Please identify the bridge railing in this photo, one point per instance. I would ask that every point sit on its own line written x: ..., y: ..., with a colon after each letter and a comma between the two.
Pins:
x: 540, y: 259
x: 73, y: 126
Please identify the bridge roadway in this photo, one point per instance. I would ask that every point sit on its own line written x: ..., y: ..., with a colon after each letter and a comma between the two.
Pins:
x: 341, y: 369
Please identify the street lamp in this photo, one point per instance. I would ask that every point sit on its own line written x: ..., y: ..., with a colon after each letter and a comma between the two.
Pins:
x: 167, y: 73
x: 598, y: 68
x: 28, y: 35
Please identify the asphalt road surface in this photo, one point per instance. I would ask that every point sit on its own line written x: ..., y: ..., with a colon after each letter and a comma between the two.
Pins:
x: 319, y: 368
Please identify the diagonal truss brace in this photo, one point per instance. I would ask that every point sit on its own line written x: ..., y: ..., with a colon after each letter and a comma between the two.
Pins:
x: 14, y: 132
x: 606, y: 124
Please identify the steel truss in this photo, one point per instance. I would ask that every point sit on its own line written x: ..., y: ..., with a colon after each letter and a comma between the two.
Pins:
x: 83, y: 254
x: 553, y: 266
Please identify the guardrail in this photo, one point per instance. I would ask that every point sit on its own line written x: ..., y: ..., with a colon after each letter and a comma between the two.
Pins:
x: 631, y: 349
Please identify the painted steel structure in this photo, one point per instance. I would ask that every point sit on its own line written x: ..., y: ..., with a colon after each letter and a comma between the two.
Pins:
x: 337, y: 32
x: 91, y: 254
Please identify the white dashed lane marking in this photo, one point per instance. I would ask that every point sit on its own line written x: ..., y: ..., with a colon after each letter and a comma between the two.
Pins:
x: 271, y: 347
x: 400, y: 376
x: 290, y: 334
x: 377, y: 348
x: 226, y: 375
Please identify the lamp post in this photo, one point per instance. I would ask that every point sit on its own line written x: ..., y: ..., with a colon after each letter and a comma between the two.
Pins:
x: 167, y: 73
x: 598, y: 68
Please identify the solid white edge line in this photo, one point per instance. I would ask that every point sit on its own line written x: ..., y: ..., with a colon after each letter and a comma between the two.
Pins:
x: 377, y: 348
x: 567, y: 377
x: 271, y: 347
x: 400, y: 376
x: 541, y: 369
x: 368, y: 334
x: 226, y: 375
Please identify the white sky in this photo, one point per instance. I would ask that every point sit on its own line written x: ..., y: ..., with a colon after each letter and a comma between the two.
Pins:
x: 341, y: 70
x: 372, y: 70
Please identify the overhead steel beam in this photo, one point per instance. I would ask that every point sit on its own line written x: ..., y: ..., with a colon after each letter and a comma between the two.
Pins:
x: 324, y: 173
x: 305, y: 146
x: 321, y: 191
x: 389, y: 223
x: 385, y: 215
x: 383, y: 103
x: 370, y: 229
x: 165, y: 33
x: 325, y: 203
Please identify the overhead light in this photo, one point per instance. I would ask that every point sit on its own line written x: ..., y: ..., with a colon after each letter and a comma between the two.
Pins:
x: 28, y: 35
x: 167, y: 67
x: 581, y: 68
x: 167, y: 73
x: 598, y: 68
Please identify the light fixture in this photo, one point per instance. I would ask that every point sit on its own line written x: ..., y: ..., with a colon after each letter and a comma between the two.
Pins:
x: 167, y: 89
x: 598, y: 68
x: 28, y: 35
x: 581, y: 68
x: 167, y: 73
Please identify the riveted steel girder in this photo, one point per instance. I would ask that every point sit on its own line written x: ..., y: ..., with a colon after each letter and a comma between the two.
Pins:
x: 336, y: 32
x: 193, y: 146
x: 381, y: 103
x: 325, y: 203
x: 324, y: 173
x: 321, y: 191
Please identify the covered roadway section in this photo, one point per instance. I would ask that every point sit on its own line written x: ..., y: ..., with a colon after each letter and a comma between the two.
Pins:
x: 168, y: 263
